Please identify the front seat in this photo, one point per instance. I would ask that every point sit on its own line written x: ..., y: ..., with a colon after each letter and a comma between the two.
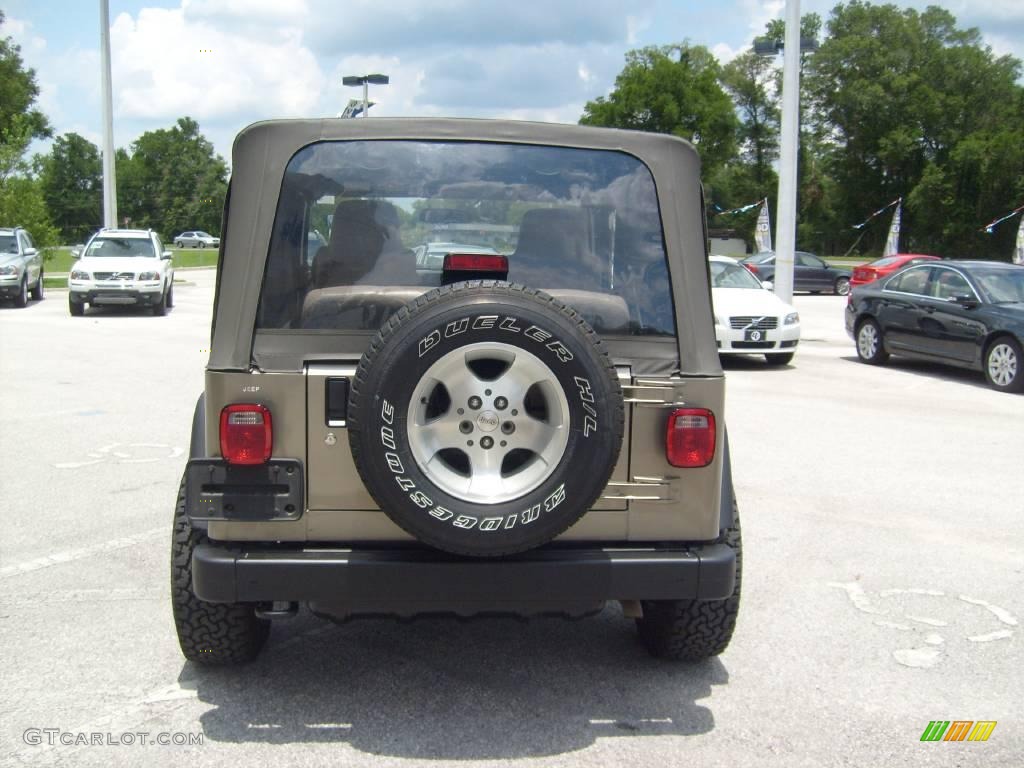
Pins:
x: 553, y: 251
x: 365, y: 248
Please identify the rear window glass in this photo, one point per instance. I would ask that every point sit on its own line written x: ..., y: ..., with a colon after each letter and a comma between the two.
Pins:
x: 363, y: 227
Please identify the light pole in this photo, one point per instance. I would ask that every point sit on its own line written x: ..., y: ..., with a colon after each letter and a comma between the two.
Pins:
x: 785, y: 224
x: 109, y: 176
x: 365, y: 80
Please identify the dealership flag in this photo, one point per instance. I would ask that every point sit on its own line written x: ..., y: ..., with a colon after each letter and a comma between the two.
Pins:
x: 1018, y: 252
x: 892, y: 243
x: 763, y: 231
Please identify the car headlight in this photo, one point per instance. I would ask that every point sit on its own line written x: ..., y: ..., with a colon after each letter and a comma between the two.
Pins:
x: 9, y: 269
x: 792, y: 318
x: 78, y: 274
x: 149, y: 276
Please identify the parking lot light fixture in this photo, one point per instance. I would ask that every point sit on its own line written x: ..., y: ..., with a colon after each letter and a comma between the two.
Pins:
x: 365, y: 81
x: 785, y: 222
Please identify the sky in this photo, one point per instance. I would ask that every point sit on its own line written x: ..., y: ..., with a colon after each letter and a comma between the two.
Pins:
x: 228, y: 63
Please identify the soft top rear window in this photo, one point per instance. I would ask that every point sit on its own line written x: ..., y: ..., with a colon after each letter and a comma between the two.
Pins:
x: 362, y: 227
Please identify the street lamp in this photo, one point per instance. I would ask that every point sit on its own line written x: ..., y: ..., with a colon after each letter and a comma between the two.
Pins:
x: 365, y: 80
x: 785, y: 225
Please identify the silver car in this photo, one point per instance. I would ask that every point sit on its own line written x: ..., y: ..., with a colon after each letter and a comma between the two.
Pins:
x: 21, y: 267
x: 196, y: 239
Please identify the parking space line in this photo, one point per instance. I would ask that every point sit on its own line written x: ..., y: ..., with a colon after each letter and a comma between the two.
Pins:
x: 70, y: 555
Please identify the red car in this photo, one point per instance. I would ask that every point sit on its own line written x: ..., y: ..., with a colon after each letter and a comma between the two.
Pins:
x: 867, y: 273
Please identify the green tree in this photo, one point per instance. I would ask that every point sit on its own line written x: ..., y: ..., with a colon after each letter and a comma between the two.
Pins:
x: 908, y: 104
x: 71, y: 177
x: 673, y: 89
x: 18, y: 93
x: 172, y: 180
x: 21, y: 199
x: 749, y: 79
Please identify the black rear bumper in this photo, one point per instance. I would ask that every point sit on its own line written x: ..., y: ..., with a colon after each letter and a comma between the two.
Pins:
x: 421, y: 581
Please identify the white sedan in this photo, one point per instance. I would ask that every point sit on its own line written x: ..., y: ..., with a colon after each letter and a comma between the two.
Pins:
x: 749, y: 318
x: 196, y: 239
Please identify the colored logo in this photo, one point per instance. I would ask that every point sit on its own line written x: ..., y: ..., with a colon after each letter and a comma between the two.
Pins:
x: 958, y: 730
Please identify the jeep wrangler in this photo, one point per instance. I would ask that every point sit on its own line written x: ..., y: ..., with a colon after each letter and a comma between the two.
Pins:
x: 491, y: 386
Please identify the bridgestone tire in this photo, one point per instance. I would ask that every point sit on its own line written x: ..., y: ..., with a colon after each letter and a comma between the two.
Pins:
x: 443, y: 508
x: 212, y: 634
x: 694, y: 630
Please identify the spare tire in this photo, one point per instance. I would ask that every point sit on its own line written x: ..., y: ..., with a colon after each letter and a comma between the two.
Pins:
x: 485, y: 418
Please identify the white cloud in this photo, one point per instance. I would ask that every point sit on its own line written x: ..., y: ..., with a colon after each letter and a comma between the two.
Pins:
x: 726, y: 53
x: 166, y: 64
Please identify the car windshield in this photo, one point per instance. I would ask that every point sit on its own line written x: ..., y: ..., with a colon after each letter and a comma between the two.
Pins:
x: 1002, y: 286
x: 885, y: 262
x: 121, y: 246
x: 581, y: 224
x: 725, y: 275
x: 8, y: 244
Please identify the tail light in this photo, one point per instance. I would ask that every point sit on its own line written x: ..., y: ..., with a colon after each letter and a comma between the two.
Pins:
x: 865, y: 274
x: 690, y: 438
x: 246, y: 434
x: 752, y: 268
x: 475, y: 262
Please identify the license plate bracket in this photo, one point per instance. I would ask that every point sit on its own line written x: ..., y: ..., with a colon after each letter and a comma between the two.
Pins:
x: 216, y: 490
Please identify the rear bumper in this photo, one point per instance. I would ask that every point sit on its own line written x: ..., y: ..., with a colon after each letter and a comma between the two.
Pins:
x: 420, y: 581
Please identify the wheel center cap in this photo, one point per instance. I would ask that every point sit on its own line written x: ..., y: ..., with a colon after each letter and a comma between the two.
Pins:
x: 487, y: 421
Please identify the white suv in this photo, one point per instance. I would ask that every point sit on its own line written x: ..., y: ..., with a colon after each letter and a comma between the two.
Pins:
x: 122, y: 266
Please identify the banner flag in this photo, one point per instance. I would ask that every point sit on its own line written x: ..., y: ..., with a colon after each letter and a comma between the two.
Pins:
x: 892, y: 243
x: 879, y: 212
x: 1018, y: 252
x: 763, y: 231
x: 990, y: 227
x: 741, y: 209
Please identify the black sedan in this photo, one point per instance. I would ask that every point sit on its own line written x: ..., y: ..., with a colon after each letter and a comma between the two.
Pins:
x: 964, y: 313
x: 810, y: 273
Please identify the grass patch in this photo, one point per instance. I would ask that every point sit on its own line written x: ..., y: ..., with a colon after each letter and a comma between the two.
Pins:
x: 59, y: 260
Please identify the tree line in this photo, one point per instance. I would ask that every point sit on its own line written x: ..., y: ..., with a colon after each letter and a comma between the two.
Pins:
x: 895, y: 103
x: 169, y: 180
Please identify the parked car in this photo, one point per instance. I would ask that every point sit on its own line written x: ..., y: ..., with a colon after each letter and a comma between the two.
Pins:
x: 810, y: 273
x: 539, y: 443
x: 196, y: 239
x: 749, y: 318
x: 21, y: 267
x: 888, y: 265
x: 119, y: 267
x: 964, y: 313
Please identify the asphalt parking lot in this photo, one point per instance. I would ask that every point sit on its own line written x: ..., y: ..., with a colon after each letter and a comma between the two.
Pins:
x: 884, y: 559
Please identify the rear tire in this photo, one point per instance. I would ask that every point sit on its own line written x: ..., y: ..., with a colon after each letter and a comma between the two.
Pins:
x: 1004, y: 365
x: 211, y: 634
x: 784, y: 358
x: 694, y: 630
x: 37, y: 292
x: 842, y: 286
x: 870, y: 343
